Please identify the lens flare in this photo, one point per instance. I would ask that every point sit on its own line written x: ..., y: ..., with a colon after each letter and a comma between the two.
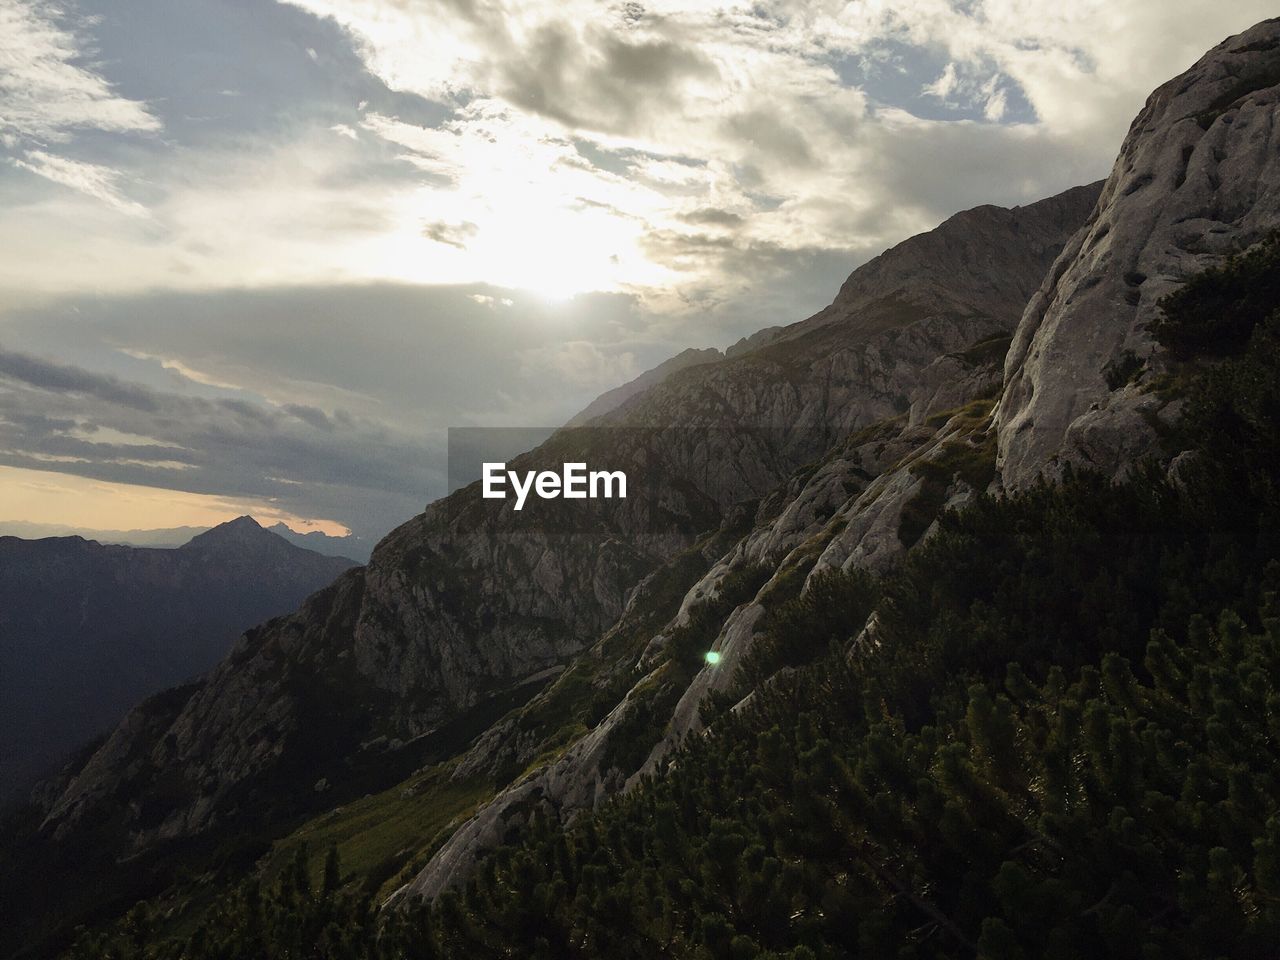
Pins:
x: 713, y: 657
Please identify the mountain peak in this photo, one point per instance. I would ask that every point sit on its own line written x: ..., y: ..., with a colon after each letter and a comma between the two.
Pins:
x: 240, y: 531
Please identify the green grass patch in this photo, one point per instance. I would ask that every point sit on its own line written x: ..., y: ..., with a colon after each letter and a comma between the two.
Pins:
x: 378, y: 835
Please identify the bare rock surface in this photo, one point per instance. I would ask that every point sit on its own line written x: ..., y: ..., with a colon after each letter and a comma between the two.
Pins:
x: 1198, y: 178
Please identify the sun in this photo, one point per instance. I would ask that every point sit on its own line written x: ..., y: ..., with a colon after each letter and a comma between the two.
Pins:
x: 555, y: 255
x: 528, y: 236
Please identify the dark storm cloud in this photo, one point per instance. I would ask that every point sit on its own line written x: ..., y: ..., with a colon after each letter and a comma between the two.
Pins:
x: 45, y: 375
x: 454, y: 234
x: 603, y: 82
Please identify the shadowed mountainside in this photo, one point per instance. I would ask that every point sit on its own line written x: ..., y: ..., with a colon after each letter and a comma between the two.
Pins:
x: 88, y: 630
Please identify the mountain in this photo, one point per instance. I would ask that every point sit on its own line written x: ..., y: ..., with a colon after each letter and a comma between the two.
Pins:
x: 87, y: 630
x: 350, y: 546
x: 163, y: 537
x: 465, y: 613
x: 610, y: 400
x: 457, y: 608
x: 1192, y: 184
x: 839, y: 718
x: 980, y: 261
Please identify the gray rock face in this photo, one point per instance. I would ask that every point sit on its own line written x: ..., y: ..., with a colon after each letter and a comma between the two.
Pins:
x: 980, y: 261
x: 1198, y: 177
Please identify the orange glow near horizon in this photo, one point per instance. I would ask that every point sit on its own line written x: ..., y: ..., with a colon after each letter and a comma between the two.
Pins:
x: 66, y: 500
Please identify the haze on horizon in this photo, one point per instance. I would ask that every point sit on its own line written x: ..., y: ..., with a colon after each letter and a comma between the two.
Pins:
x: 256, y: 256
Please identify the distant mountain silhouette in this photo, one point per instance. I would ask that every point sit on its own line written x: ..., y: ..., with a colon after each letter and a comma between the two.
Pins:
x: 87, y: 629
x: 349, y: 546
x: 356, y: 548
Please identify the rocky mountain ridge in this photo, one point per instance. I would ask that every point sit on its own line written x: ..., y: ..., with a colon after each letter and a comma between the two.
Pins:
x: 981, y: 261
x: 610, y: 400
x: 350, y: 547
x: 1197, y: 178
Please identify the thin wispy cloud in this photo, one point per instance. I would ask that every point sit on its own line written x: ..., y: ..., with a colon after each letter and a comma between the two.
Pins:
x: 50, y: 92
x: 91, y: 179
x: 47, y: 83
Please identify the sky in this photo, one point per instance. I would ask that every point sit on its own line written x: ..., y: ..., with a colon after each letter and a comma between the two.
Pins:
x: 257, y: 256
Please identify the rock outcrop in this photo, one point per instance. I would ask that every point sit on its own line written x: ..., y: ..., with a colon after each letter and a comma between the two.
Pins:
x: 1198, y: 178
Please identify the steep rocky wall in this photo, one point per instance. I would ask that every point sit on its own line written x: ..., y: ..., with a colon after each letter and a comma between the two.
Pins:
x: 1198, y: 178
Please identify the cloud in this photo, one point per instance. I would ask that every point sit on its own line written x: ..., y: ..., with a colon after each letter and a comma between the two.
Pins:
x: 945, y: 85
x: 608, y: 126
x: 453, y: 234
x: 20, y: 369
x: 367, y: 220
x: 596, y: 79
x: 90, y: 179
x: 295, y: 456
x: 711, y: 216
x: 580, y: 363
x: 341, y: 416
x: 48, y: 96
x: 570, y: 135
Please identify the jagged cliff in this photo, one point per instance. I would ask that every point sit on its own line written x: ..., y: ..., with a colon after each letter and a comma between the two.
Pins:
x: 1198, y: 177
